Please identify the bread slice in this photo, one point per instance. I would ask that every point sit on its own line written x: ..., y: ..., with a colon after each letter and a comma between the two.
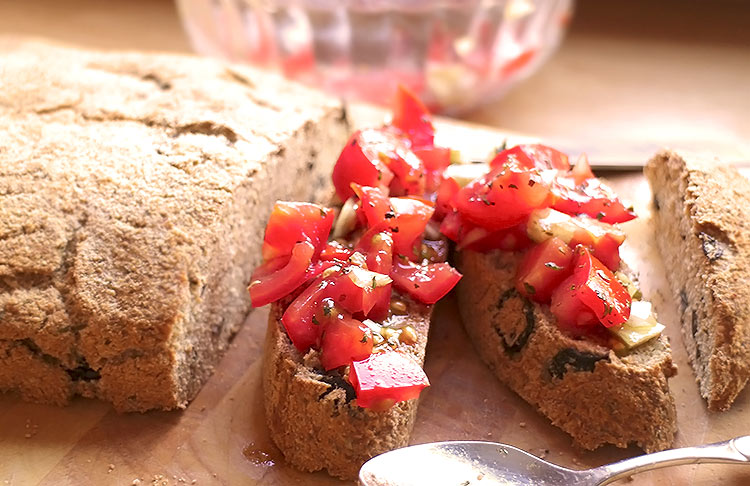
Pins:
x: 134, y: 190
x: 312, y: 415
x: 586, y: 389
x: 702, y: 213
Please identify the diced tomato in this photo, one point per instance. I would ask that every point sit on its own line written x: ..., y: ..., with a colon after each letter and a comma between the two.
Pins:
x: 377, y: 245
x: 386, y: 378
x: 374, y: 204
x: 592, y: 197
x: 593, y: 286
x: 343, y: 341
x: 319, y: 267
x: 411, y: 218
x: 582, y: 170
x: 445, y: 199
x: 502, y: 198
x: 280, y: 283
x: 476, y: 238
x: 606, y: 248
x: 335, y: 251
x: 299, y: 319
x: 572, y: 315
x: 543, y: 268
x: 452, y: 226
x: 362, y: 162
x: 531, y: 156
x: 426, y: 283
x: 411, y: 117
x: 291, y: 222
x: 435, y: 159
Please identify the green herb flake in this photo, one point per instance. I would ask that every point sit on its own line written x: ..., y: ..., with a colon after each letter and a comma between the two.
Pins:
x: 529, y: 288
x: 513, y: 186
x: 315, y: 321
x: 553, y: 266
x: 364, y: 339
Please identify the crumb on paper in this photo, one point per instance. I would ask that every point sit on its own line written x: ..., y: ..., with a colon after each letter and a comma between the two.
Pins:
x: 136, y: 482
x: 159, y: 480
x: 110, y: 468
x: 522, y: 424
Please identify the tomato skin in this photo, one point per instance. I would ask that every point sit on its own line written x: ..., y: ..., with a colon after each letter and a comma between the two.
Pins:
x: 426, y: 283
x: 344, y: 340
x: 412, y: 117
x: 435, y: 159
x: 377, y: 245
x: 445, y: 201
x: 386, y: 378
x: 593, y: 286
x: 335, y: 251
x: 291, y: 222
x: 280, y: 283
x: 360, y: 162
x: 592, y: 197
x: 529, y: 156
x: 543, y: 268
x: 299, y: 317
x: 502, y: 198
x: 406, y: 217
x: 605, y: 248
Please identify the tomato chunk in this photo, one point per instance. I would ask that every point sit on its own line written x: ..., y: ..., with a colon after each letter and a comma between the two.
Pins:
x: 270, y: 287
x: 529, y: 156
x: 335, y: 251
x: 426, y: 283
x: 502, y: 198
x: 593, y: 286
x: 361, y: 162
x: 291, y: 222
x: 543, y: 268
x: 300, y: 321
x: 344, y: 340
x: 592, y: 197
x: 411, y: 117
x: 386, y: 378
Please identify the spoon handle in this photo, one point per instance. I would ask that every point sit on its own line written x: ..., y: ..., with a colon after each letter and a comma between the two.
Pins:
x: 734, y: 451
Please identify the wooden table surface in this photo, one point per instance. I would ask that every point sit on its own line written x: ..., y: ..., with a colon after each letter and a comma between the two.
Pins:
x: 623, y: 83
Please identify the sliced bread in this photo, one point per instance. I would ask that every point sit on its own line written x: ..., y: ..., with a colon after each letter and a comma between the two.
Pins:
x: 312, y: 415
x: 586, y: 389
x: 702, y: 213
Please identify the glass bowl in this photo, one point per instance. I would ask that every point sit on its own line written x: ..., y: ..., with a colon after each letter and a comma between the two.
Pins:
x: 454, y: 54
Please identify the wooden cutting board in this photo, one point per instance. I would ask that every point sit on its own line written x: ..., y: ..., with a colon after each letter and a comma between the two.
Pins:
x: 221, y: 437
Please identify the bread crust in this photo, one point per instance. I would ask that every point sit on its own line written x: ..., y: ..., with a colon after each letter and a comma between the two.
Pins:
x: 702, y: 213
x: 314, y: 420
x: 133, y: 193
x: 584, y: 388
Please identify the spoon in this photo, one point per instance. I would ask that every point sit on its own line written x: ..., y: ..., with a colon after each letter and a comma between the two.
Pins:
x: 476, y: 463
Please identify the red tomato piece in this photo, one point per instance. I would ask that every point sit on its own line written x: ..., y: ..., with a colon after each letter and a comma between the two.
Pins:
x: 446, y: 197
x: 377, y: 245
x: 386, y: 378
x: 291, y: 222
x: 435, y: 160
x: 361, y: 162
x: 529, y: 156
x: 374, y: 204
x: 273, y: 286
x: 411, y: 117
x: 299, y: 319
x: 592, y: 197
x: 594, y: 286
x: 606, y: 248
x: 582, y: 170
x: 335, y: 251
x: 411, y: 218
x: 426, y: 283
x: 452, y: 226
x: 502, y: 198
x: 543, y: 268
x: 343, y: 341
x: 476, y: 238
x: 572, y: 315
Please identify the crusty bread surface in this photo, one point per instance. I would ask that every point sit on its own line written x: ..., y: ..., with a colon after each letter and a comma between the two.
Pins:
x: 312, y: 415
x: 702, y: 213
x: 134, y: 190
x: 584, y: 388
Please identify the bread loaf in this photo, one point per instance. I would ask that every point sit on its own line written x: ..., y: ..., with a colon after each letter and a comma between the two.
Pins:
x: 134, y: 190
x: 702, y: 212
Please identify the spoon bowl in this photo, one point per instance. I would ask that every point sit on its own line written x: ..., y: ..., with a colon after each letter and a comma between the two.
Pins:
x: 471, y: 463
